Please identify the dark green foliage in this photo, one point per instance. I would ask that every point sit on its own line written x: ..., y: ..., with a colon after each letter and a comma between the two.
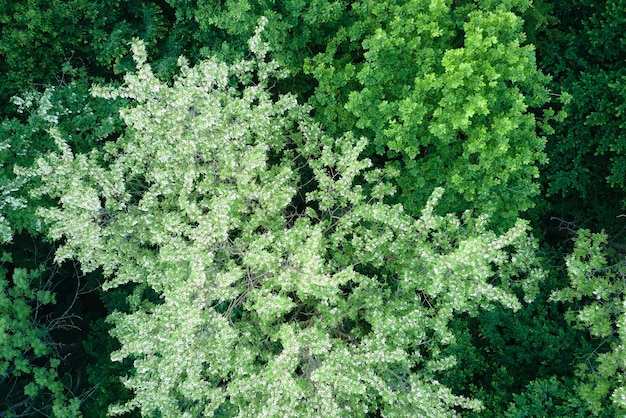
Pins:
x: 39, y: 350
x: 45, y: 316
x: 550, y: 397
x: 39, y: 38
x: 500, y: 353
x: 584, y: 50
x: 296, y: 29
x: 103, y: 374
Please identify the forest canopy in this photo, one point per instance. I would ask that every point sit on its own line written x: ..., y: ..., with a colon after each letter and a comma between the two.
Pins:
x: 389, y: 208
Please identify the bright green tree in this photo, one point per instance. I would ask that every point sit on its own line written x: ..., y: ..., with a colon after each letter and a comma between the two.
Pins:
x: 446, y: 90
x: 268, y: 275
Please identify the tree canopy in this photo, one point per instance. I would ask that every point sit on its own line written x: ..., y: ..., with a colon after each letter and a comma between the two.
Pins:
x: 291, y: 281
x: 311, y: 208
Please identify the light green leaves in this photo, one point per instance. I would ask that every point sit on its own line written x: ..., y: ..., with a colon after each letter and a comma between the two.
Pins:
x: 282, y: 282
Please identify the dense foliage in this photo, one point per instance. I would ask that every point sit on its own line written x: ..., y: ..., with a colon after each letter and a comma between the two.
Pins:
x: 312, y: 208
x: 584, y: 51
x: 444, y: 91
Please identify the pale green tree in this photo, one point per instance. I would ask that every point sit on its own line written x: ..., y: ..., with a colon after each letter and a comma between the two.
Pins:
x: 267, y: 274
x: 596, y: 288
